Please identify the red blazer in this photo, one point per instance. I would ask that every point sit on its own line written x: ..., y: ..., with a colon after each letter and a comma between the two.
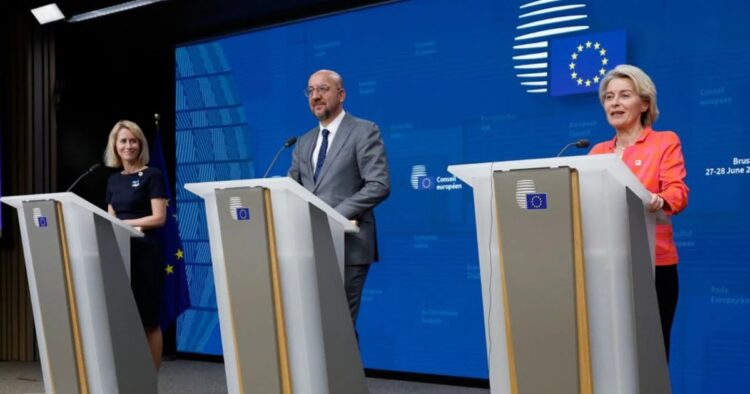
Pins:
x: 656, y: 159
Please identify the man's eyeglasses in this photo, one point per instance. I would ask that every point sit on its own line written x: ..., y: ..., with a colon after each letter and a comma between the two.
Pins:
x: 323, y: 89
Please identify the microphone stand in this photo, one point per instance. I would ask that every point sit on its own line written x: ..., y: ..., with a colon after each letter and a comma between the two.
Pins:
x: 565, y: 148
x: 89, y: 171
x: 276, y: 157
x: 287, y: 144
x: 583, y: 143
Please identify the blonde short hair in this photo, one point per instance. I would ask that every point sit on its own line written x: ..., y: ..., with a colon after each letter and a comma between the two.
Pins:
x: 111, y: 158
x: 644, y: 88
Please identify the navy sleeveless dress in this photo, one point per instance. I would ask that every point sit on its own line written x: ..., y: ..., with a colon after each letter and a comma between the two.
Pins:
x: 130, y: 196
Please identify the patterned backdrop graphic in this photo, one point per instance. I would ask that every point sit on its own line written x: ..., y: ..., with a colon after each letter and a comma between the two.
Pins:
x: 461, y: 95
x: 212, y: 146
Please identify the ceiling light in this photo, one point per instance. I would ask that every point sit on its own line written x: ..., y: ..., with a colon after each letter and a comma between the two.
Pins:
x: 48, y: 13
x: 111, y: 10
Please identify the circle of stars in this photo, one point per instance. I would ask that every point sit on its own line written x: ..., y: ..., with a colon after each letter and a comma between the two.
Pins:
x: 536, y: 202
x: 588, y: 46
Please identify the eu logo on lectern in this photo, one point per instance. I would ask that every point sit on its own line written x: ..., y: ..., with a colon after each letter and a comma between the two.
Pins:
x: 536, y: 201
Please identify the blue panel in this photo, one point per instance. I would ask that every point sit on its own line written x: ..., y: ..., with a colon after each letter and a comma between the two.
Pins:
x: 460, y: 82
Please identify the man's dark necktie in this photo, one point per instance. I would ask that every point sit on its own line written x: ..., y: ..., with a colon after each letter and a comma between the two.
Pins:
x: 321, y: 154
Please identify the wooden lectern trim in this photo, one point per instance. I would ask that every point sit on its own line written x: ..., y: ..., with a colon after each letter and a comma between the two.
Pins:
x: 73, y: 310
x: 278, y: 306
x: 584, y: 349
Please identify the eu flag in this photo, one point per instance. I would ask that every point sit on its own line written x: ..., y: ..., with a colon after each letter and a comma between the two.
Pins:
x: 175, y: 297
x: 243, y: 213
x: 536, y: 201
x: 577, y: 64
x: 426, y: 182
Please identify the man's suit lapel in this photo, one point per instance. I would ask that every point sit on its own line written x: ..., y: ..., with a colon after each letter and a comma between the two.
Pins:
x: 342, y: 134
x: 308, y: 150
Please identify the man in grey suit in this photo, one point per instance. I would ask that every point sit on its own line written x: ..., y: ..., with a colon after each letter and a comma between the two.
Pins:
x: 343, y: 162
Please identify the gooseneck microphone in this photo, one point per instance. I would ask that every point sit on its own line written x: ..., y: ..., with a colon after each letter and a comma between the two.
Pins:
x: 289, y: 143
x: 89, y: 171
x: 582, y: 143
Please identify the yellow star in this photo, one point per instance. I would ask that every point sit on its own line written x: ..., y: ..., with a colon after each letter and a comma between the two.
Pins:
x: 580, y: 81
x: 179, y: 254
x: 602, y: 52
x: 574, y: 56
x: 572, y: 66
x: 588, y: 44
x: 574, y: 75
x: 597, y: 45
x: 580, y: 48
x: 605, y: 61
x: 169, y: 269
x: 596, y: 79
x: 588, y: 82
x: 602, y: 71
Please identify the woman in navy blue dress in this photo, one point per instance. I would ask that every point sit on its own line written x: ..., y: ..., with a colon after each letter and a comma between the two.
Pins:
x: 137, y: 195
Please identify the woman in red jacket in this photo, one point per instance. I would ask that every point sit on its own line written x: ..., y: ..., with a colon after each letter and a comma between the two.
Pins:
x: 629, y: 99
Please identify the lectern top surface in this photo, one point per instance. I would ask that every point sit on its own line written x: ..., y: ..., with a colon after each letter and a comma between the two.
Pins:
x: 69, y: 198
x: 205, y: 189
x: 471, y: 173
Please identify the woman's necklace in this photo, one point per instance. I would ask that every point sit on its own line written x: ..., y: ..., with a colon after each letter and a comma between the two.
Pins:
x: 131, y: 172
x: 619, y: 149
x: 621, y: 145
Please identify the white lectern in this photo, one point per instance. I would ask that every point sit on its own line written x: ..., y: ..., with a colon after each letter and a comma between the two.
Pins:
x: 278, y: 264
x: 566, y: 251
x: 89, y: 333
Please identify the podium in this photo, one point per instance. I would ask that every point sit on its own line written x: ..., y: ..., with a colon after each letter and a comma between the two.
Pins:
x: 566, y: 254
x: 88, y: 330
x: 278, y: 265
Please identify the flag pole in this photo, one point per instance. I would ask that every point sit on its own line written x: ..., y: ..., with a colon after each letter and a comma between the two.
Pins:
x: 157, y: 117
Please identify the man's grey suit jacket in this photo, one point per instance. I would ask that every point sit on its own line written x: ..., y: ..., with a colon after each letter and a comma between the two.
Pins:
x: 353, y: 180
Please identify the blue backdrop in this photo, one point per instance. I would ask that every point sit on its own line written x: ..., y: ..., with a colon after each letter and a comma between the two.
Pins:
x: 461, y: 82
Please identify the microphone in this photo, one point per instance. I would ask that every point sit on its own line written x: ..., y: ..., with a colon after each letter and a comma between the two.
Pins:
x: 289, y: 143
x: 582, y: 143
x: 89, y: 171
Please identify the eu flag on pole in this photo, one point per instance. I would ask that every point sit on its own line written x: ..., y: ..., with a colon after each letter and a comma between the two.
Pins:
x: 175, y: 297
x: 577, y: 64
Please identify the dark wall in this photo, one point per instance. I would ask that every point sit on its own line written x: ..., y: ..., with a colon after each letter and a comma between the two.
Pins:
x: 28, y: 141
x: 100, y: 81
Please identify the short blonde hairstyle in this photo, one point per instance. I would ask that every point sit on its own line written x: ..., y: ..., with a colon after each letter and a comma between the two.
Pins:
x: 111, y: 158
x: 644, y: 88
